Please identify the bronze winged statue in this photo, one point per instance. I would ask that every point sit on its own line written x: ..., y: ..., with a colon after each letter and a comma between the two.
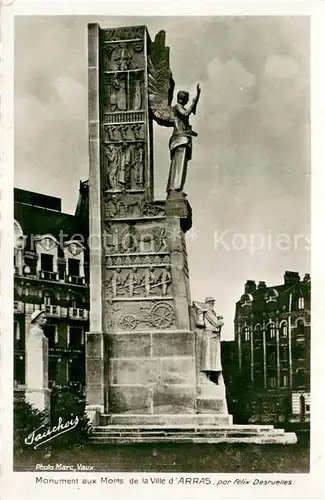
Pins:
x: 160, y: 89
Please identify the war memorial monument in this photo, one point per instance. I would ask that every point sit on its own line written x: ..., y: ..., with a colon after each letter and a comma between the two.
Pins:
x: 153, y: 364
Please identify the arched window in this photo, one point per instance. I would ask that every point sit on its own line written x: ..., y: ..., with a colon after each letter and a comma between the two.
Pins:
x: 283, y: 329
x: 245, y: 334
x: 270, y: 331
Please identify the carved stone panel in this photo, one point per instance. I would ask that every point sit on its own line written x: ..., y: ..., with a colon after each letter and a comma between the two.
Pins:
x: 138, y: 281
x: 144, y: 315
x: 128, y: 33
x: 124, y: 91
x: 124, y: 56
x: 124, y: 167
x: 126, y: 132
x: 118, y: 206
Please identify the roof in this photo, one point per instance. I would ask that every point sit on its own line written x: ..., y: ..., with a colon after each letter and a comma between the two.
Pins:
x: 36, y: 219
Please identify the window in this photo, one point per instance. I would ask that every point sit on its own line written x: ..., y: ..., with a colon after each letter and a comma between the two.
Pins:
x: 73, y: 267
x: 270, y: 330
x: 299, y: 350
x: 31, y: 265
x: 75, y: 370
x: 259, y: 379
x: 258, y: 334
x: 51, y: 334
x: 75, y: 337
x: 246, y: 334
x: 273, y: 406
x: 46, y: 262
x: 77, y: 301
x: 246, y: 356
x: 300, y: 377
x: 301, y: 303
x: 258, y: 358
x: 61, y: 269
x: 284, y: 353
x: 16, y: 331
x: 300, y: 328
x: 284, y: 380
x: 283, y: 330
x: 19, y: 370
x: 53, y: 369
x: 271, y: 382
x: 308, y: 408
x: 271, y: 357
x: 47, y: 299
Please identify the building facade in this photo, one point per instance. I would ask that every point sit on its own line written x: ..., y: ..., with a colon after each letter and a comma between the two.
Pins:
x: 51, y: 273
x: 267, y: 366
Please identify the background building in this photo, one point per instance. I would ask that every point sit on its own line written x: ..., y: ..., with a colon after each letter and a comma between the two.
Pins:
x: 51, y: 268
x: 267, y: 366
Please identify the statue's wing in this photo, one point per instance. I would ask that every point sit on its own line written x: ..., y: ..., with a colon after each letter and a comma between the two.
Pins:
x: 160, y: 82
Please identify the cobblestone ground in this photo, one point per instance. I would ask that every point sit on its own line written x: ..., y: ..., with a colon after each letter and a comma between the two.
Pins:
x: 178, y: 458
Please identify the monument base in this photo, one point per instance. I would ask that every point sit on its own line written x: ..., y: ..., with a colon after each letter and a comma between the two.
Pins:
x: 198, y: 431
x: 170, y: 419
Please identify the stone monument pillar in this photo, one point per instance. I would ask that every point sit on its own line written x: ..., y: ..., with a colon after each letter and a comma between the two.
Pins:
x: 37, y: 389
x: 149, y: 364
x: 140, y: 351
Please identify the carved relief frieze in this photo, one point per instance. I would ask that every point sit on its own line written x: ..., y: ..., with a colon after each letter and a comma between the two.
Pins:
x: 123, y: 117
x: 124, y: 91
x: 138, y: 260
x: 136, y: 240
x: 123, y: 56
x: 135, y: 281
x: 128, y: 33
x: 160, y: 315
x: 121, y: 207
x: 124, y: 132
x: 124, y: 167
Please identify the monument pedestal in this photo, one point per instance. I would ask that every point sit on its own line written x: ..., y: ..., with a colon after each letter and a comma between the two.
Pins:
x: 37, y: 390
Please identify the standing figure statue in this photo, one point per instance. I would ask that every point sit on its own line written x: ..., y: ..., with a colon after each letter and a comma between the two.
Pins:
x: 180, y: 143
x: 37, y: 375
x: 161, y: 87
x: 210, y: 346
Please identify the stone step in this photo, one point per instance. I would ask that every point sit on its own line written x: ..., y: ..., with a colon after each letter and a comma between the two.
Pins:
x: 190, y: 427
x: 165, y: 419
x: 286, y: 438
x: 182, y: 435
x: 172, y: 432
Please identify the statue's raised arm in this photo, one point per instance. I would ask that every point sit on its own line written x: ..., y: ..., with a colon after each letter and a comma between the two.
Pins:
x: 161, y: 87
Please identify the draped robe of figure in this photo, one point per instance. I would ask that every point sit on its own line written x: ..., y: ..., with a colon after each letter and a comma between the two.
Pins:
x: 180, y: 146
x: 210, y: 341
x: 211, y: 346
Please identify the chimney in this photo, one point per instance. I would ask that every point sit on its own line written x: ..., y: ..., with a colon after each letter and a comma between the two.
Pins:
x: 261, y: 285
x: 250, y: 286
x: 307, y: 278
x: 291, y: 278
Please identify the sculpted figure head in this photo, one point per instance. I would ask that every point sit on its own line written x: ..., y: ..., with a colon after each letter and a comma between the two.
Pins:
x: 183, y: 97
x: 210, y: 301
x: 38, y: 318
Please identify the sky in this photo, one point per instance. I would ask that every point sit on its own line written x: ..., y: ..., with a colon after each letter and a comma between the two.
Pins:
x: 249, y: 179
